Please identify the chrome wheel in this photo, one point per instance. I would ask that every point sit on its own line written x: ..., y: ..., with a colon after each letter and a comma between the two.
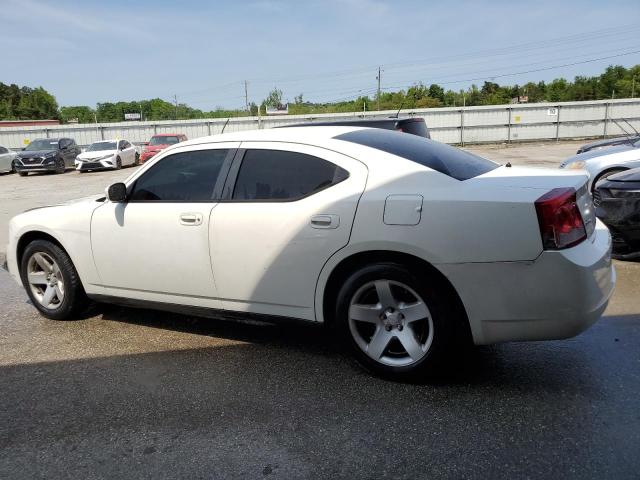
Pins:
x: 45, y: 280
x: 390, y: 323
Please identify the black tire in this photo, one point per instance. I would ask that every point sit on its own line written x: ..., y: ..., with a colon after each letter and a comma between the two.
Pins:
x: 23, y: 174
x: 137, y: 160
x: 13, y: 167
x: 444, y: 317
x: 75, y: 299
x: 605, y: 174
x: 118, y: 163
x: 61, y: 167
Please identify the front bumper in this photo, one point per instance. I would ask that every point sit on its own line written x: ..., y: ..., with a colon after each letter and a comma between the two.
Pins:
x: 558, y: 295
x: 95, y: 165
x: 622, y: 216
x: 43, y: 167
x: 144, y: 156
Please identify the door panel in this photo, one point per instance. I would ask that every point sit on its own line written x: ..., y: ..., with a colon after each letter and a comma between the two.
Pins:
x: 267, y: 256
x: 145, y: 251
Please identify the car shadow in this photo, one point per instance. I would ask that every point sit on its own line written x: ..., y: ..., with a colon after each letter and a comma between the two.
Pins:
x: 537, y: 365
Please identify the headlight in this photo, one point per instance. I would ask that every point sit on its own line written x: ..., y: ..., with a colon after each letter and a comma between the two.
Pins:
x: 577, y: 165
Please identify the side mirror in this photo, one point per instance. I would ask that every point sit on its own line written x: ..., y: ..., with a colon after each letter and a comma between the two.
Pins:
x: 117, y: 192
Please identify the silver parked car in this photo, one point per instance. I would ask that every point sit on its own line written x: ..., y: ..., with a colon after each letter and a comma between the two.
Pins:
x: 605, y: 162
x: 7, y: 158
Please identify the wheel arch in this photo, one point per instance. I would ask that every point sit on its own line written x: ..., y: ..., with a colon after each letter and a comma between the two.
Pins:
x: 609, y: 169
x: 27, y: 237
x: 349, y: 264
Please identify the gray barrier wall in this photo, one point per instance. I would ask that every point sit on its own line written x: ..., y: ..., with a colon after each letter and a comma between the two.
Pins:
x: 454, y: 125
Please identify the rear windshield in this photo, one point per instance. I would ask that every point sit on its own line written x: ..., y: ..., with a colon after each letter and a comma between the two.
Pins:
x: 451, y: 161
x: 164, y: 140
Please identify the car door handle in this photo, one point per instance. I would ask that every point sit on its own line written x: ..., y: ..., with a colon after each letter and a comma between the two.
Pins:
x: 325, y: 221
x: 190, y: 219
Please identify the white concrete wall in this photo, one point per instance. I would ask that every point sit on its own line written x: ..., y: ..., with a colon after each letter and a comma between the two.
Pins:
x: 455, y: 125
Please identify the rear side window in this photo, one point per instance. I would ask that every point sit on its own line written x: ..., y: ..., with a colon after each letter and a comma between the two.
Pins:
x: 181, y: 177
x: 451, y: 161
x: 282, y: 175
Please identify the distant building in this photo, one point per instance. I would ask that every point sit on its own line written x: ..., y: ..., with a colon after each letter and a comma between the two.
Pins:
x: 520, y: 99
x: 28, y: 123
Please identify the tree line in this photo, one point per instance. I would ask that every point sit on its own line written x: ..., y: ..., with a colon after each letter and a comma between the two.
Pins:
x: 25, y: 103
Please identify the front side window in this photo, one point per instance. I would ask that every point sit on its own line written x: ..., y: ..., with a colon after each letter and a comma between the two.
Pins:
x: 282, y: 175
x: 181, y: 177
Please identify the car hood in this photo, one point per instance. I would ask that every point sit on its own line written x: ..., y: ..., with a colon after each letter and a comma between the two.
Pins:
x: 598, y: 153
x: 610, y: 141
x: 156, y: 148
x: 76, y: 201
x: 626, y: 176
x: 96, y: 154
x: 35, y: 153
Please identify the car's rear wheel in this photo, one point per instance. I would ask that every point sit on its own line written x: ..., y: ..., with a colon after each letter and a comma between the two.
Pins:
x: 118, y: 163
x: 397, y: 323
x: 137, y: 160
x: 51, y: 281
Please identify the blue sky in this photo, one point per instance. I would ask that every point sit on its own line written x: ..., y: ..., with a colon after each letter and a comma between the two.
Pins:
x: 86, y: 52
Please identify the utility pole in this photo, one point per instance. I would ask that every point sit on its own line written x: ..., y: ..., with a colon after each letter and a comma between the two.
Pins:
x: 246, y: 97
x: 175, y: 100
x: 633, y: 86
x: 378, y: 78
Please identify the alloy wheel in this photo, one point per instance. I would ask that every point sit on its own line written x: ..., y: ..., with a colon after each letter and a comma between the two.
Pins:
x: 45, y: 280
x: 390, y: 323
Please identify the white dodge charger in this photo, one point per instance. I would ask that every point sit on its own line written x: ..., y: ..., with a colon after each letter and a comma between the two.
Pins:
x: 403, y: 245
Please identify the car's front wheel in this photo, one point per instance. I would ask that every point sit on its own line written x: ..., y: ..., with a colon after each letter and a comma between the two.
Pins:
x: 51, y: 281
x: 397, y: 323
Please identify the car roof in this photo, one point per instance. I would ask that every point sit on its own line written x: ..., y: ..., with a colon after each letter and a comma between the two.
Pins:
x: 168, y: 135
x: 308, y: 135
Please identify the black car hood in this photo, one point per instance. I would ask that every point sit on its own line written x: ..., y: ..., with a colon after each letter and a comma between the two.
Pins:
x: 35, y: 153
x: 632, y: 175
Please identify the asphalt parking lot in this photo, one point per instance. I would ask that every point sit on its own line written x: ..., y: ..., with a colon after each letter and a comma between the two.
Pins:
x: 143, y: 394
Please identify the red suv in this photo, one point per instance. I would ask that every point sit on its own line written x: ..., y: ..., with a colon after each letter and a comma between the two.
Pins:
x: 160, y: 142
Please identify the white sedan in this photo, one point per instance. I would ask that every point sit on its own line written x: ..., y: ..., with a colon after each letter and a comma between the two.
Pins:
x: 108, y: 154
x: 7, y: 158
x: 603, y: 163
x: 404, y: 245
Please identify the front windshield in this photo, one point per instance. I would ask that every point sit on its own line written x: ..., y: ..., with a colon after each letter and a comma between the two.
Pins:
x: 99, y: 146
x: 164, y: 140
x: 42, y: 144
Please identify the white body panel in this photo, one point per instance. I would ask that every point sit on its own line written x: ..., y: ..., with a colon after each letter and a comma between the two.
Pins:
x: 482, y: 234
x: 267, y: 255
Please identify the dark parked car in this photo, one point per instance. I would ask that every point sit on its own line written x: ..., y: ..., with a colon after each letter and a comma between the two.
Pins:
x: 617, y: 201
x: 47, y: 155
x: 413, y: 125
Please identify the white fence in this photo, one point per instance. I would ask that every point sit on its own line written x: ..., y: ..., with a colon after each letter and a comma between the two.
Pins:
x: 454, y: 125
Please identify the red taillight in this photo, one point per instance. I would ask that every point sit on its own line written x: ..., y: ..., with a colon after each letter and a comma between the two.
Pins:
x: 561, y: 224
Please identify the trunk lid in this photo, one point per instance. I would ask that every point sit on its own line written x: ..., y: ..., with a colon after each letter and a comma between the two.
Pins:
x: 545, y: 180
